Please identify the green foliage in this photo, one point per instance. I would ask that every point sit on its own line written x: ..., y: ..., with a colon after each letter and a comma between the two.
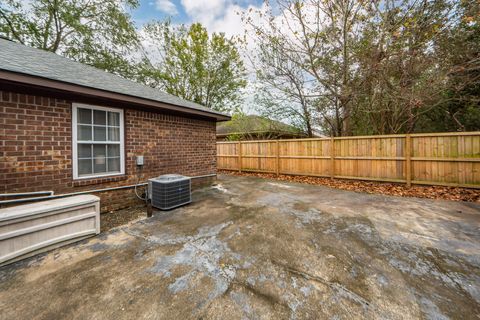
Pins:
x: 96, y: 32
x: 401, y: 76
x: 372, y: 67
x: 235, y: 137
x: 459, y: 49
x: 206, y: 69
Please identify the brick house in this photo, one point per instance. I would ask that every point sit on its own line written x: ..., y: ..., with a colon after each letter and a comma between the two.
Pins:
x: 70, y: 128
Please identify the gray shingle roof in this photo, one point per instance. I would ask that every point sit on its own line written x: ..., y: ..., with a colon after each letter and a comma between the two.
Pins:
x: 255, y: 123
x: 15, y: 57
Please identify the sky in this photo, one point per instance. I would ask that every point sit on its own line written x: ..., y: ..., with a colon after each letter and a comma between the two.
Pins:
x: 215, y: 15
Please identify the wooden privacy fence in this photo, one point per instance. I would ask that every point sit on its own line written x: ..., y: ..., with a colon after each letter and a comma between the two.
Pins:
x: 451, y: 159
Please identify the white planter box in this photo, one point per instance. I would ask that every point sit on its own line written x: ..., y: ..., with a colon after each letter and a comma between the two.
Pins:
x: 29, y: 229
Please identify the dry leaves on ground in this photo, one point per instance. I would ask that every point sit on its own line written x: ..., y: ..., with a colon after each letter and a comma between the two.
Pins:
x: 393, y: 189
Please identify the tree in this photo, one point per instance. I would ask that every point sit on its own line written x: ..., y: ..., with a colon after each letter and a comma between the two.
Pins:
x: 95, y: 32
x: 319, y: 37
x: 191, y: 64
x: 458, y: 48
x: 399, y: 77
x: 283, y: 90
x: 373, y: 67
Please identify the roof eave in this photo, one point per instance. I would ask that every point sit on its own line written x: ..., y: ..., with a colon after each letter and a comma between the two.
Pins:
x: 30, y: 80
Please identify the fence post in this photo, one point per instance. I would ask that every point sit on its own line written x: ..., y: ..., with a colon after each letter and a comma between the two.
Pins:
x: 408, y: 161
x: 239, y: 156
x: 278, y: 158
x: 332, y: 155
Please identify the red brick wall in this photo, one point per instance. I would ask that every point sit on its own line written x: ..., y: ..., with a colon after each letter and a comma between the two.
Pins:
x: 36, y: 148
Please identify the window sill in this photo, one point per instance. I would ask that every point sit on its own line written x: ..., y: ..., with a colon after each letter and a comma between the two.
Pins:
x: 98, y: 180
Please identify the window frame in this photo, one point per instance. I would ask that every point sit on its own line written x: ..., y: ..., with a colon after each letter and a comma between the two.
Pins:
x: 75, y: 141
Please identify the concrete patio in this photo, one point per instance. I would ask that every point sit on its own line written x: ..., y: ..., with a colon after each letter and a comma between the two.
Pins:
x: 260, y: 249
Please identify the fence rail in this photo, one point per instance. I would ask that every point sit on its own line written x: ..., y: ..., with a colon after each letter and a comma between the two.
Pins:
x: 451, y: 159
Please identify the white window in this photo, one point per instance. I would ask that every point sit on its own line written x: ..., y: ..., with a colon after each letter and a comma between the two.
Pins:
x: 98, y: 144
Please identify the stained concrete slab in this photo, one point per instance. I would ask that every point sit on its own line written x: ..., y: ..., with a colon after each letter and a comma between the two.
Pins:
x: 257, y: 249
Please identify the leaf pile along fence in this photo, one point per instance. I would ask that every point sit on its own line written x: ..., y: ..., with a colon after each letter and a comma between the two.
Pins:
x: 451, y: 159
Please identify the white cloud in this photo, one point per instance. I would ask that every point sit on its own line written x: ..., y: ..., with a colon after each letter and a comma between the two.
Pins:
x: 230, y: 22
x: 219, y: 15
x: 166, y: 6
x: 205, y: 11
x: 203, y: 8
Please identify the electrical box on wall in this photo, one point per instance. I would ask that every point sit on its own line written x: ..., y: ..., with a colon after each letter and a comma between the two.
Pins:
x: 139, y: 160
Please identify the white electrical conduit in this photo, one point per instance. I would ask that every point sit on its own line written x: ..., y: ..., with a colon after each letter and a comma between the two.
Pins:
x: 80, y: 192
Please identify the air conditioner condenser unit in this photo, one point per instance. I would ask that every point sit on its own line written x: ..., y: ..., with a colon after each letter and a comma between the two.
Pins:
x: 170, y: 191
